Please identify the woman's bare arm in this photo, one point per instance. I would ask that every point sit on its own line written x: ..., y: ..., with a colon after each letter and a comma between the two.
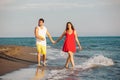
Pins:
x: 76, y: 38
x: 63, y: 34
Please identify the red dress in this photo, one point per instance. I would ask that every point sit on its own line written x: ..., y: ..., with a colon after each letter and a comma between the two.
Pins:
x: 69, y: 43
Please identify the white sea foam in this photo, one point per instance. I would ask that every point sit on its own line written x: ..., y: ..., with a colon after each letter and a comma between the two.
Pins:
x: 53, y: 54
x: 33, y: 53
x: 95, y: 61
x: 98, y: 60
x: 57, y: 74
x: 48, y: 46
x: 63, y: 54
x: 27, y: 74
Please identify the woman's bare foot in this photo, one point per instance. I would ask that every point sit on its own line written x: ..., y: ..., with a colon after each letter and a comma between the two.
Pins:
x: 66, y: 67
x: 73, y: 67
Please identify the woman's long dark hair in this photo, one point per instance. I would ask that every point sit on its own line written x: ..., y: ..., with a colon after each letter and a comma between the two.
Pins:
x: 71, y: 26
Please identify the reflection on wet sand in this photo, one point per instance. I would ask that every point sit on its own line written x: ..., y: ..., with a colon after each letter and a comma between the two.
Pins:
x: 40, y: 73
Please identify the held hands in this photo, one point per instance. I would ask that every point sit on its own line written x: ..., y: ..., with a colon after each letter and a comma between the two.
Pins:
x: 54, y: 42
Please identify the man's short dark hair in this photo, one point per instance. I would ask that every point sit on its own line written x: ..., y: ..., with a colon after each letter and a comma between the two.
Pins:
x: 41, y: 19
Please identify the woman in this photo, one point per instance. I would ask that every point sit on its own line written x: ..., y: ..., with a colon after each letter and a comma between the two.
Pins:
x: 70, y: 43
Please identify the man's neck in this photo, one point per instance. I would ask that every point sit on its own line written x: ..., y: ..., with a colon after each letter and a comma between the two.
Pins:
x: 41, y: 26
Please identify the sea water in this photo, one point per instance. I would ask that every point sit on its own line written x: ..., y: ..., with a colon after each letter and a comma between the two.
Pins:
x: 99, y: 60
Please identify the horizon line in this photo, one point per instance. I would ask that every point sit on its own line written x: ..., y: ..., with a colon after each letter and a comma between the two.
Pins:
x: 57, y: 36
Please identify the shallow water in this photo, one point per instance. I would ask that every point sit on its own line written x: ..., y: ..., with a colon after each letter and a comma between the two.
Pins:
x: 84, y: 67
x: 93, y: 63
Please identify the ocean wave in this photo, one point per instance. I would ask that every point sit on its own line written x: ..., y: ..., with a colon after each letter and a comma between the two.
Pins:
x: 95, y: 61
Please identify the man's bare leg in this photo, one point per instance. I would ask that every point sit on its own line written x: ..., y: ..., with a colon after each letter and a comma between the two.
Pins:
x: 44, y: 60
x: 38, y: 57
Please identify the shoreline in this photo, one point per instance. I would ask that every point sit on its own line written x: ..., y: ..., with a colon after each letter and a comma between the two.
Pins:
x: 14, y: 57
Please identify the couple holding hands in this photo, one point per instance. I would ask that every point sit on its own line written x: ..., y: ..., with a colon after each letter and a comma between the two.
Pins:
x: 69, y: 43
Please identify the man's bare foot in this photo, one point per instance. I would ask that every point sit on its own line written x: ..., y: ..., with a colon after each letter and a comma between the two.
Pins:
x: 39, y: 65
x: 44, y: 64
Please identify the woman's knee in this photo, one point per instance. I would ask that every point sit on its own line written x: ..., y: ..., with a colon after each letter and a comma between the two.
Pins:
x: 70, y: 53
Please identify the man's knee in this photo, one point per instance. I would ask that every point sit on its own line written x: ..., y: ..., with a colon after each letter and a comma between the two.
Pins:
x: 38, y: 53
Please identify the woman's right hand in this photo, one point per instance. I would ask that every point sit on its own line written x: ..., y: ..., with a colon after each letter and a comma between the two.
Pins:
x: 80, y: 47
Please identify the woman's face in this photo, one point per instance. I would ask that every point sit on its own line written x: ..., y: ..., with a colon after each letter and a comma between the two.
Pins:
x: 69, y: 25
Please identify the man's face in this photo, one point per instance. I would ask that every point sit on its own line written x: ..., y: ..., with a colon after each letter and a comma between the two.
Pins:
x: 41, y: 23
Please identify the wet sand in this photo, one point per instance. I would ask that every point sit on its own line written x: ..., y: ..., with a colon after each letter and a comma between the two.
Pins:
x: 15, y: 57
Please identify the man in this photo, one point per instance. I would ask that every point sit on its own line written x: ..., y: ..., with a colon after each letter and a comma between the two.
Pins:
x: 40, y: 34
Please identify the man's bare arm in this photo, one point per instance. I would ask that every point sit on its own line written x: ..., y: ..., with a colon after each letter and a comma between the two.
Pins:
x: 50, y: 37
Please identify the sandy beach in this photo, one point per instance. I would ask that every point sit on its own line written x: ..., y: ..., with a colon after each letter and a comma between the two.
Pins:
x: 15, y: 57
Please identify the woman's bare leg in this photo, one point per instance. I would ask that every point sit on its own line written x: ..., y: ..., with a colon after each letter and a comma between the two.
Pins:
x: 71, y: 59
x: 67, y: 61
